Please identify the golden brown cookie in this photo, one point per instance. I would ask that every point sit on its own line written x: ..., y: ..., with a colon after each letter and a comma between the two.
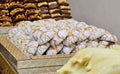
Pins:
x: 65, y: 11
x: 31, y: 11
x: 53, y: 5
x: 14, y: 5
x: 30, y: 6
x: 19, y: 18
x: 54, y: 10
x: 3, y: 24
x: 42, y: 4
x: 5, y: 18
x: 55, y: 15
x: 63, y: 7
x: 4, y: 12
x: 62, y: 2
x: 3, y: 6
x: 45, y: 16
x: 34, y: 17
x: 16, y: 11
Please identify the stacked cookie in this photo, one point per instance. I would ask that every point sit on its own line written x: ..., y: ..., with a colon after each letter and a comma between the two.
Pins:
x: 17, y: 11
x: 51, y: 37
x: 5, y: 20
x: 43, y: 8
x: 65, y: 9
x: 54, y: 10
x: 31, y: 11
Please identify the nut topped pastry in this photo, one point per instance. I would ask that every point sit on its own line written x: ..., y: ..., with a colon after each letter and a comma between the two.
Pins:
x: 13, y: 5
x: 17, y: 11
x: 31, y: 12
x: 19, y: 17
x: 53, y: 5
x: 42, y: 4
x: 30, y: 6
x: 4, y: 12
x: 5, y: 18
x: 3, y: 6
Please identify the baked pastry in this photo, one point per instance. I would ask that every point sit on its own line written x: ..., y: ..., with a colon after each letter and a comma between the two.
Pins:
x: 65, y: 11
x: 63, y: 7
x: 6, y: 24
x: 45, y: 16
x: 34, y: 17
x: 19, y: 17
x: 42, y: 4
x: 3, y: 6
x: 42, y: 49
x: 5, y: 18
x: 62, y: 2
x: 53, y: 5
x: 31, y: 12
x: 17, y: 11
x: 55, y: 15
x: 13, y: 5
x: 54, y: 11
x: 30, y: 6
x: 4, y: 12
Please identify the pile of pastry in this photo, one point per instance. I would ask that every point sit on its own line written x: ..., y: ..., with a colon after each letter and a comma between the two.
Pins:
x: 51, y: 37
x: 14, y: 11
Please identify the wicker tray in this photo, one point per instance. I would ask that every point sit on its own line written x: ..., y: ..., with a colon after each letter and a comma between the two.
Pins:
x: 33, y: 65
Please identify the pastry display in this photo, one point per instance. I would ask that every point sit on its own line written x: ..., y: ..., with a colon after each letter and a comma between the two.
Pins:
x: 65, y: 9
x: 93, y: 61
x: 51, y: 37
x: 31, y: 10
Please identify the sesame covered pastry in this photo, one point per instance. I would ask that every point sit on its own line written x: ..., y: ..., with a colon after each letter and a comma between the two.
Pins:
x: 3, y: 6
x: 13, y: 5
x: 16, y: 11
x: 5, y: 18
x: 42, y: 4
x: 54, y: 10
x: 31, y: 11
x: 30, y: 6
x: 4, y: 12
x: 42, y: 49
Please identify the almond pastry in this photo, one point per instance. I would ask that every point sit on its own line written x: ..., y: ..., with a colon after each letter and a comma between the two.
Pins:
x: 30, y: 6
x: 17, y: 11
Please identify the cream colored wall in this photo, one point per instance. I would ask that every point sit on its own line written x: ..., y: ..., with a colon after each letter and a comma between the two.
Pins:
x: 101, y: 13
